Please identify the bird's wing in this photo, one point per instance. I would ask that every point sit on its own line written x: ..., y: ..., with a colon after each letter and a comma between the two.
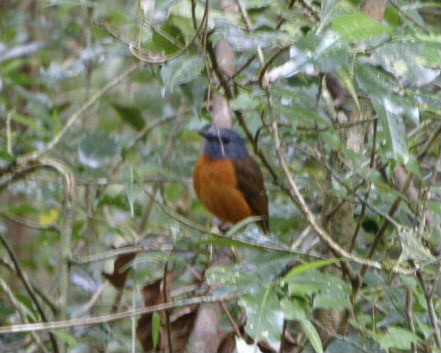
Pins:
x: 250, y: 182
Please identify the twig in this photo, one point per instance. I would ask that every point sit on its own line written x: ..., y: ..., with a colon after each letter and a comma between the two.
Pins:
x: 409, y: 18
x: 311, y: 11
x: 22, y: 313
x: 231, y: 319
x: 24, y: 279
x: 429, y: 301
x: 75, y: 116
x: 44, y: 297
x: 8, y: 131
x: 396, y: 204
x: 117, y: 316
x: 29, y: 224
x: 66, y: 227
x: 160, y: 59
x: 409, y: 314
x: 167, y: 312
x: 132, y: 249
x: 366, y: 195
x: 298, y: 199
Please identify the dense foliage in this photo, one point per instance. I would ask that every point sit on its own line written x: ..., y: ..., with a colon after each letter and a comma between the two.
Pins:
x: 100, y: 107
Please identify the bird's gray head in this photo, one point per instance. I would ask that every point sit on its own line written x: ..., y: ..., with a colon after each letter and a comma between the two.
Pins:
x: 224, y: 144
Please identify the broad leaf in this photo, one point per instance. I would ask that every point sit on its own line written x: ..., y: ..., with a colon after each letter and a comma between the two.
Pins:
x: 397, y: 337
x: 264, y: 315
x: 131, y: 115
x: 182, y: 69
x: 407, y: 62
x: 411, y: 247
x: 358, y: 26
x: 296, y: 310
x: 96, y: 149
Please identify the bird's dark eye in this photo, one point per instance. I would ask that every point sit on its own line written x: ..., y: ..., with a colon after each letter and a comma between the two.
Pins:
x: 225, y: 140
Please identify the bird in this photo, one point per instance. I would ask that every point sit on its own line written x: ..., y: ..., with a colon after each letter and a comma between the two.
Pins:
x: 229, y: 182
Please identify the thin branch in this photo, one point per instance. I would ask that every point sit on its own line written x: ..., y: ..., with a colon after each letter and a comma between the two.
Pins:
x: 63, y: 324
x: 24, y: 279
x: 132, y: 249
x: 410, y: 316
x: 429, y: 301
x: 396, y: 204
x: 298, y: 199
x: 409, y: 18
x: 21, y: 312
x: 160, y: 59
x: 167, y: 312
x: 366, y: 195
x: 75, y: 116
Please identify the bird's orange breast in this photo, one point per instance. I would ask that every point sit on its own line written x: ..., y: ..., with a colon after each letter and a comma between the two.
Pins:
x: 217, y: 187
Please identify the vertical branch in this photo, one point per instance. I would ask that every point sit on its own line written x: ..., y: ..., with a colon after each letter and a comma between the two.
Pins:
x: 205, y: 336
x: 25, y: 281
x: 66, y: 229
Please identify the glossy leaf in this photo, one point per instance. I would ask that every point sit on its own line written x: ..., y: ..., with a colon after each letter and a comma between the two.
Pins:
x: 412, y: 248
x: 358, y: 26
x: 296, y: 310
x: 329, y: 290
x: 258, y: 271
x: 264, y: 315
x: 407, y: 62
x: 180, y: 70
x: 295, y: 271
x: 397, y: 337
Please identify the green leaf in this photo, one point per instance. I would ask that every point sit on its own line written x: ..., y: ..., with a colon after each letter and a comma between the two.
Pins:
x: 131, y: 115
x: 156, y: 330
x: 332, y: 9
x: 6, y: 156
x: 397, y: 337
x: 411, y: 247
x: 66, y: 337
x: 358, y: 26
x: 312, y: 334
x: 165, y: 41
x: 180, y: 70
x: 295, y: 310
x: 392, y: 122
x: 324, y: 286
x: 258, y: 271
x: 130, y: 188
x: 348, y: 80
x: 295, y: 271
x: 324, y: 50
x: 97, y: 149
x: 332, y: 299
x: 407, y: 62
x: 241, y: 40
x: 247, y: 100
x: 264, y: 315
x: 417, y: 291
x: 391, y: 108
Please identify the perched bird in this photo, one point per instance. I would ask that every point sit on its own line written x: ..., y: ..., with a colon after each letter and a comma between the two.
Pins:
x: 228, y: 181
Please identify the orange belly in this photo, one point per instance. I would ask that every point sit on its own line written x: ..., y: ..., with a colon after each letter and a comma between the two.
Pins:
x: 216, y: 185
